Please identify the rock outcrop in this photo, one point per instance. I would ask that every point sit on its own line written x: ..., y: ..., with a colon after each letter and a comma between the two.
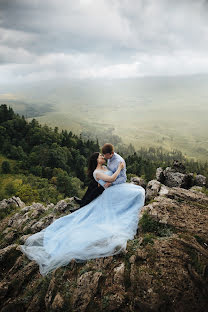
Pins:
x: 165, y: 267
x: 176, y: 176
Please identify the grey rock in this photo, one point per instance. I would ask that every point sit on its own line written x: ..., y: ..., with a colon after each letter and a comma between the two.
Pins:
x: 139, y: 181
x: 163, y: 190
x: 159, y: 175
x: 50, y: 206
x: 196, y: 188
x: 173, y: 179
x: 8, y: 256
x: 178, y: 166
x: 62, y: 205
x: 168, y: 170
x: 42, y: 223
x: 66, y: 205
x: 188, y: 181
x: 26, y: 209
x: 10, y: 204
x: 175, y: 176
x: 119, y: 274
x: 11, y: 236
x: 23, y: 238
x: 38, y: 226
x: 86, y: 289
x: 17, y: 220
x: 152, y: 189
x: 200, y: 180
x: 178, y: 179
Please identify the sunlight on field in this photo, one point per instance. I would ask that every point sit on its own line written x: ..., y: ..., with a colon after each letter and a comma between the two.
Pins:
x: 162, y: 111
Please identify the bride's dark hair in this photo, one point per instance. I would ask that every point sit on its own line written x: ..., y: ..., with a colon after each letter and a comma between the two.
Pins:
x: 92, y: 164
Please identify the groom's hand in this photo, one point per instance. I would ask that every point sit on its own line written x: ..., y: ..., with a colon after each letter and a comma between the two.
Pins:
x: 107, y: 184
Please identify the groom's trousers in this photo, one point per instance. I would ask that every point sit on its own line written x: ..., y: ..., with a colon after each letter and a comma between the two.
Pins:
x: 92, y: 192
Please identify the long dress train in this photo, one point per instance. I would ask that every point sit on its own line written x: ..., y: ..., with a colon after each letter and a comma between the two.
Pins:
x: 98, y: 229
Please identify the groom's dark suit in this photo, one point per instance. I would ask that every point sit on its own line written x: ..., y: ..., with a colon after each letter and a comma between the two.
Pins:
x: 92, y: 192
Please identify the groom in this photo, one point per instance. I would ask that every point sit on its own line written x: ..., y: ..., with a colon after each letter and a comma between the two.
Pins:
x: 94, y: 189
x: 113, y: 161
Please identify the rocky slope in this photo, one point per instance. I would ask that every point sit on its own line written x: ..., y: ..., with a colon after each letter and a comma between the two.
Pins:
x: 165, y: 268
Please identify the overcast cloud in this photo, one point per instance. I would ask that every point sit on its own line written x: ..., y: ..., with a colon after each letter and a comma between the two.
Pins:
x: 101, y: 38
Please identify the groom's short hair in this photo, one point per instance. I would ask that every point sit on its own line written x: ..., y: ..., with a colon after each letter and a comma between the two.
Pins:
x: 107, y: 148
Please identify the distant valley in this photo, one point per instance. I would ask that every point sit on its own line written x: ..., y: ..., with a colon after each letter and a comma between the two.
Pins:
x: 171, y: 112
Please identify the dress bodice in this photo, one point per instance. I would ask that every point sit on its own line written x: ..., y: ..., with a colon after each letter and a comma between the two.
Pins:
x: 101, y: 182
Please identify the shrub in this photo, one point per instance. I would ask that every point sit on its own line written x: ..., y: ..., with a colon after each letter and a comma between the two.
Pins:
x: 5, y: 167
x: 149, y: 225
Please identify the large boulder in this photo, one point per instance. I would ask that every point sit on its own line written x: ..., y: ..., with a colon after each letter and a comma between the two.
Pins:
x: 13, y: 201
x: 172, y: 178
x: 9, y: 205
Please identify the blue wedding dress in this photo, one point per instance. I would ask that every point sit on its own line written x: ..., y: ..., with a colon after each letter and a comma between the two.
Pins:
x: 99, y: 229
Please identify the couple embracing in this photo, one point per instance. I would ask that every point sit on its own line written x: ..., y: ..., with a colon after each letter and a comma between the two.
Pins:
x: 99, y: 174
x: 101, y: 227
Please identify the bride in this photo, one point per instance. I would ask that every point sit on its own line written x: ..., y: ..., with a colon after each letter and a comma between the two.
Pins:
x: 99, y: 229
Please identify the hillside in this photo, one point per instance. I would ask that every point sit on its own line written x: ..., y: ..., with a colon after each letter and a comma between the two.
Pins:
x: 165, y: 267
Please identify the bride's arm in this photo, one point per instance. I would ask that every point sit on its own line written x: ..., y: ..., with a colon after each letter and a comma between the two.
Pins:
x: 107, y: 178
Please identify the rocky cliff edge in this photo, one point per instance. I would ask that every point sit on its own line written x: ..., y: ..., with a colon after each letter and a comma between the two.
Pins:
x: 165, y: 267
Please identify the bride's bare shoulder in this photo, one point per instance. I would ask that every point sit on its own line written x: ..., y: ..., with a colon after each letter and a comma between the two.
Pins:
x: 104, y: 168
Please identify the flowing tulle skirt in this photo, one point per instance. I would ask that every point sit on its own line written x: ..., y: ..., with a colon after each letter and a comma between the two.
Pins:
x: 98, y: 229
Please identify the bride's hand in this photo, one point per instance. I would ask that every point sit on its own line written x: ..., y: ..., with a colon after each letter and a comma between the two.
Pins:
x: 121, y: 165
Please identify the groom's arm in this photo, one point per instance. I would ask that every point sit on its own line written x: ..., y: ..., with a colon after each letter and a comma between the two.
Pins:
x: 122, y: 175
x: 113, y: 166
x: 121, y: 178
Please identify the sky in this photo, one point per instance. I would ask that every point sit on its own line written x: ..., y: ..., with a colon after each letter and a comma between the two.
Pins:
x: 58, y: 39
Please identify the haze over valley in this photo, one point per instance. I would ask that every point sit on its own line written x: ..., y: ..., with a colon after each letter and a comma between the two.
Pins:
x: 154, y: 111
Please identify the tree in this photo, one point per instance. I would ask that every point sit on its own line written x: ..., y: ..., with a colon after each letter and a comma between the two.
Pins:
x: 27, y: 193
x: 5, y: 167
x: 10, y: 189
x: 64, y: 183
x: 6, y: 113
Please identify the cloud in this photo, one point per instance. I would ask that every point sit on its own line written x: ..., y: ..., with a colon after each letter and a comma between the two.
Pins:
x: 8, y: 96
x: 15, y: 55
x: 102, y: 38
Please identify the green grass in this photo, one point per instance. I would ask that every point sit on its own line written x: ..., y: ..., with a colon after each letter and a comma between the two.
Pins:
x: 149, y: 225
x: 148, y: 239
x: 204, y: 190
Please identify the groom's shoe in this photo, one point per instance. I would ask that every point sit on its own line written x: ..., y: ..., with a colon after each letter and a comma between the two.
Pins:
x: 77, y: 200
